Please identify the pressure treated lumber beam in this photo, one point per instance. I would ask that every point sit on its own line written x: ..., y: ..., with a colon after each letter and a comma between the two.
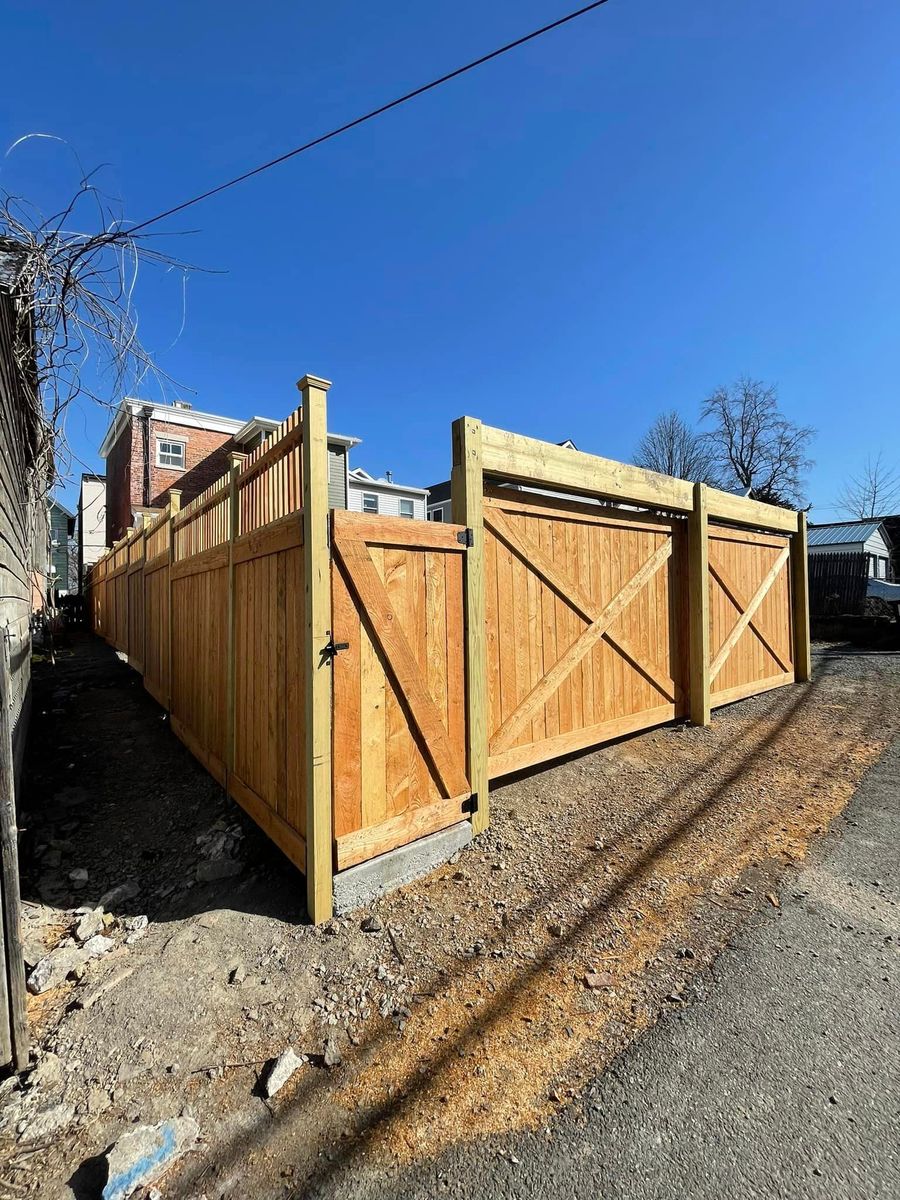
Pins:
x: 467, y: 508
x: 317, y: 663
x: 800, y: 599
x: 698, y: 595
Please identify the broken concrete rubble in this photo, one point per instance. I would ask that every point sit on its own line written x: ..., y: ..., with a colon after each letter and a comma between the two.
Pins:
x: 136, y: 928
x: 98, y: 945
x: 56, y: 967
x: 280, y: 1071
x: 90, y: 924
x: 140, y: 1156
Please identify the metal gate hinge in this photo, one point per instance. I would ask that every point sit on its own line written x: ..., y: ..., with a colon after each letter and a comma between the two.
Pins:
x: 466, y: 537
x: 471, y: 805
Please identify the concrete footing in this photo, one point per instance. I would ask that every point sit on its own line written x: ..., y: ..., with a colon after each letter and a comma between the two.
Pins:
x: 367, y: 881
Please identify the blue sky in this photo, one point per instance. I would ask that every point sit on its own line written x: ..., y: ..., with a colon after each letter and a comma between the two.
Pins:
x: 610, y: 222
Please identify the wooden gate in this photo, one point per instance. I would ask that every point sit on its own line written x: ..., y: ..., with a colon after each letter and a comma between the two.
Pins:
x: 399, y: 746
x: 585, y: 625
x: 750, y: 613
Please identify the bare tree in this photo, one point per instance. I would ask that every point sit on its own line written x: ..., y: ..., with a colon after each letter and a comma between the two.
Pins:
x: 759, y: 451
x: 872, y: 492
x: 75, y: 312
x: 673, y: 448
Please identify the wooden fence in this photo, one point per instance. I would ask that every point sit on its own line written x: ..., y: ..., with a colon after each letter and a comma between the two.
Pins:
x: 355, y: 681
x: 837, y: 584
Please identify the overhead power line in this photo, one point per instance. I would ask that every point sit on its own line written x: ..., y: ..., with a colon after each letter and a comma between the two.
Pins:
x: 369, y: 116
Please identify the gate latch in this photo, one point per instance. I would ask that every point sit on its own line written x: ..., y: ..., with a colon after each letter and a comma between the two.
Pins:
x: 465, y: 537
x: 331, y: 647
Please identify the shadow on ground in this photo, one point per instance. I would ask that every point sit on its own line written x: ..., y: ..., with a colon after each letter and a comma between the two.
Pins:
x: 109, y: 789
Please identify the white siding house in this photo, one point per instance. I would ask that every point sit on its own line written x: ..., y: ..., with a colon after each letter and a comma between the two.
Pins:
x: 370, y: 495
x: 851, y: 537
x: 91, y: 530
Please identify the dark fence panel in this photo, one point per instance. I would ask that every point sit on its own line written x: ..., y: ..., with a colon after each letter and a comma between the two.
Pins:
x: 837, y: 583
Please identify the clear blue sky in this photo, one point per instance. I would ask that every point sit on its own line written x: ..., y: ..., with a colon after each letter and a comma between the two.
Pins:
x: 610, y: 222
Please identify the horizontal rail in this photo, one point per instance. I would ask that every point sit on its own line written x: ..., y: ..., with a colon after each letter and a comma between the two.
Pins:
x: 530, y: 461
x: 399, y: 531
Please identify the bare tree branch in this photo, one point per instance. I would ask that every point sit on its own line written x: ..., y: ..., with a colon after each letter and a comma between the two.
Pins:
x: 758, y: 450
x: 673, y: 448
x: 74, y: 293
x: 872, y: 492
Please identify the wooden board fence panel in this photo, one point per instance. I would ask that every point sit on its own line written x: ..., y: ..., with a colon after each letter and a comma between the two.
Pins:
x: 156, y: 629
x: 580, y: 622
x: 586, y: 625
x: 751, y: 627
x: 399, y: 714
x: 199, y: 665
x: 135, y: 602
x: 267, y: 776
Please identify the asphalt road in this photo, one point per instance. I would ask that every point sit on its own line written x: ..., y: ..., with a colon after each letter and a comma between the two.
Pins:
x: 784, y: 1081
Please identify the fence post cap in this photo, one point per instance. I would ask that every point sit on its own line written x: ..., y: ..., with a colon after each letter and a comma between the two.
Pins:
x: 313, y: 381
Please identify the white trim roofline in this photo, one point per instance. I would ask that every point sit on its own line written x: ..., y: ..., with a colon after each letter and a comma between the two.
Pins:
x: 361, y: 476
x: 267, y: 425
x: 192, y: 419
x: 188, y: 417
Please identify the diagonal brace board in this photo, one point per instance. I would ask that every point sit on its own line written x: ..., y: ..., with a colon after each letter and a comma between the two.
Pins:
x: 747, y: 615
x: 536, y: 559
x: 362, y: 576
x: 739, y: 600
x: 566, y: 663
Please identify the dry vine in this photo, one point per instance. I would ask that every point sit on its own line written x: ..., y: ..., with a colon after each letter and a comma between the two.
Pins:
x: 75, y: 298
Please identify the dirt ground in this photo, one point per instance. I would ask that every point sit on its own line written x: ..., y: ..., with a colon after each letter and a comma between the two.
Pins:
x: 485, y: 997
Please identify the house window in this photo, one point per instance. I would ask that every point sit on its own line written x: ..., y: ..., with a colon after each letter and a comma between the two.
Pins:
x: 370, y: 502
x: 436, y: 514
x: 170, y: 453
x: 406, y: 508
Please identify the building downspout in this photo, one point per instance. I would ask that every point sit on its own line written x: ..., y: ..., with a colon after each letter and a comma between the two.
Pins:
x: 146, y: 412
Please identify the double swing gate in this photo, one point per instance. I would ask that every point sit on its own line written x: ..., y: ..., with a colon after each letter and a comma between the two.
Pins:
x: 356, y: 681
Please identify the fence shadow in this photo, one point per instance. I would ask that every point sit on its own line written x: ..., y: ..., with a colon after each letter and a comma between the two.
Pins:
x: 109, y: 789
x: 345, y: 1153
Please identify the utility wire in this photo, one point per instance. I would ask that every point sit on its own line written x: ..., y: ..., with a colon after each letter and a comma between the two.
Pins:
x: 376, y: 112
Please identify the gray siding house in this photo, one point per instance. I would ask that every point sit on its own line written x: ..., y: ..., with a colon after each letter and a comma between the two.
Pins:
x: 62, y: 562
x: 257, y: 429
x: 852, y: 537
x: 371, y: 495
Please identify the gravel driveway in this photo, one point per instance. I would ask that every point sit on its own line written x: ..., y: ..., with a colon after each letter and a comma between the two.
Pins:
x: 481, y: 1004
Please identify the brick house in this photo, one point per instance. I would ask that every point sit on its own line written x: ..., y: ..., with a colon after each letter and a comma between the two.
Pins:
x: 150, y: 448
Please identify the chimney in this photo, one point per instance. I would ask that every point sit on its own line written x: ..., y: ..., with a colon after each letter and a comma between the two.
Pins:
x: 389, y: 476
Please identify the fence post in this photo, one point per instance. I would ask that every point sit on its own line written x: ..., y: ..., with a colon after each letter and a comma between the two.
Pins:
x: 174, y: 507
x: 800, y: 593
x: 467, y: 499
x: 234, y: 522
x: 698, y: 600
x: 316, y: 636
